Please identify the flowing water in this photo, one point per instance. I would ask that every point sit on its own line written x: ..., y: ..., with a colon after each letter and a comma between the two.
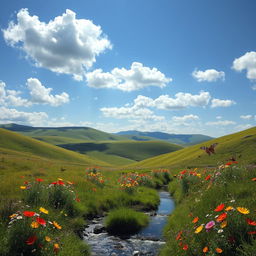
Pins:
x: 147, y: 242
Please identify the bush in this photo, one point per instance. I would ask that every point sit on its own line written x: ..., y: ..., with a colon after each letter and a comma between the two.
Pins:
x: 124, y: 221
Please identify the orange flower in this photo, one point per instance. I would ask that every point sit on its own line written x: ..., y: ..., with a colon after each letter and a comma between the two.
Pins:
x: 243, y: 210
x: 222, y: 217
x: 178, y: 237
x: 206, y: 249
x: 195, y: 220
x: 34, y: 224
x: 229, y: 208
x: 251, y: 222
x: 219, y: 208
x: 218, y: 250
x: 253, y: 179
x: 56, y: 225
x: 56, y: 248
x: 223, y: 224
x: 47, y: 238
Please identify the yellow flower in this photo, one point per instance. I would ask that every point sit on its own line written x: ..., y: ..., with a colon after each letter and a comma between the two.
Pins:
x: 198, y: 175
x: 229, y: 208
x: 60, y: 179
x: 56, y: 225
x: 56, y: 246
x: 223, y: 224
x: 47, y: 238
x: 23, y: 187
x: 13, y: 215
x: 34, y: 224
x: 243, y: 210
x: 199, y: 229
x: 41, y: 209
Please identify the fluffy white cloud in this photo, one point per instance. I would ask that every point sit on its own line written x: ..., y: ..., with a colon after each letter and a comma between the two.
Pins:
x: 182, y: 100
x: 185, y: 118
x: 246, y: 62
x: 11, y: 97
x: 222, y: 103
x: 64, y: 45
x: 131, y: 113
x: 209, y: 75
x: 42, y: 95
x: 254, y: 87
x: 135, y: 78
x: 9, y: 115
x: 221, y: 123
x: 246, y: 117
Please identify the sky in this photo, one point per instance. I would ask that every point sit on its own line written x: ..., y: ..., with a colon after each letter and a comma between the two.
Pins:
x: 175, y: 66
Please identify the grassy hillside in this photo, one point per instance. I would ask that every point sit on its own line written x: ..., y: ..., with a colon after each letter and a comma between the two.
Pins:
x: 241, y: 145
x: 14, y: 141
x: 58, y: 140
x: 180, y: 139
x: 127, y: 151
x: 77, y: 133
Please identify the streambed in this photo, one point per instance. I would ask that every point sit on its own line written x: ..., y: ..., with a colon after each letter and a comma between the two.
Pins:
x: 147, y: 242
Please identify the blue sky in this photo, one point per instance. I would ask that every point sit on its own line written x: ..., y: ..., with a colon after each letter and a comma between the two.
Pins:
x: 175, y: 66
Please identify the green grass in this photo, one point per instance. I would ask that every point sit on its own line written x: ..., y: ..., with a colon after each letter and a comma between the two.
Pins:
x: 241, y: 145
x: 123, y: 152
x: 57, y: 140
x: 14, y: 141
x: 125, y: 221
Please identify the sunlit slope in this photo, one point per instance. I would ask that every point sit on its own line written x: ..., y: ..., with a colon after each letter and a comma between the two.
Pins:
x: 20, y: 143
x: 77, y: 133
x: 127, y: 151
x: 241, y: 145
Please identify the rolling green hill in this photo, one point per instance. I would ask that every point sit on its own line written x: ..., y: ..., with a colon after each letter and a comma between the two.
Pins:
x: 180, y: 139
x: 241, y: 145
x: 64, y: 134
x: 123, y: 152
x: 14, y: 141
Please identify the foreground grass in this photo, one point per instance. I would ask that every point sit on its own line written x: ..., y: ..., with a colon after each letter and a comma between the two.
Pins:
x: 71, y: 194
x: 215, y: 212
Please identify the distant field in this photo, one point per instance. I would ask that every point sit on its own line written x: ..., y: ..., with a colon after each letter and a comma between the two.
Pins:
x: 17, y: 142
x: 241, y: 145
x: 123, y: 152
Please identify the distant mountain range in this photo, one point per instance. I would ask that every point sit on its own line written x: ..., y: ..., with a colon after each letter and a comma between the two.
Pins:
x: 180, y: 139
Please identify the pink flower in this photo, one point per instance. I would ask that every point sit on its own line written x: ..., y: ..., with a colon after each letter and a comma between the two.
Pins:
x: 209, y: 225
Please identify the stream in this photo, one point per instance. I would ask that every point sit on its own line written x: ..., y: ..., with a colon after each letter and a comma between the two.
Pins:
x: 146, y: 242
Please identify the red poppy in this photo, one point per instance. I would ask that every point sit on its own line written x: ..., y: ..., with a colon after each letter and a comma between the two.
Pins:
x: 29, y: 214
x: 41, y: 221
x: 251, y: 222
x: 253, y: 179
x: 39, y: 180
x: 229, y: 163
x: 222, y: 217
x: 31, y: 240
x: 251, y: 233
x: 219, y: 208
x: 183, y: 172
x: 178, y: 237
x: 60, y: 182
x: 208, y: 177
x: 78, y: 200
x: 54, y: 183
x: 185, y: 247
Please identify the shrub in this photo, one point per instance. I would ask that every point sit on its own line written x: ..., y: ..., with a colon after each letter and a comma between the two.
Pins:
x: 124, y: 221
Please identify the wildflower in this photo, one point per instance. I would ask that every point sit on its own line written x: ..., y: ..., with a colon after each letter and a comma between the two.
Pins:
x: 23, y: 187
x: 178, y: 237
x: 29, y: 214
x: 253, y: 179
x: 229, y: 208
x: 13, y: 216
x: 251, y: 222
x: 206, y: 249
x: 209, y: 225
x: 219, y: 208
x: 222, y: 217
x: 195, y: 220
x: 34, y: 224
x: 78, y: 200
x: 60, y: 182
x: 220, y: 231
x: 43, y: 210
x: 251, y: 233
x: 185, y: 247
x: 243, y: 210
x: 70, y: 182
x: 199, y: 229
x: 56, y: 225
x: 56, y: 248
x: 41, y: 221
x: 223, y: 224
x: 47, y: 239
x: 208, y: 177
x: 39, y: 180
x: 31, y: 240
x: 218, y: 250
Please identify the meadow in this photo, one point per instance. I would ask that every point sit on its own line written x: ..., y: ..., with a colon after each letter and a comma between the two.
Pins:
x: 48, y: 194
